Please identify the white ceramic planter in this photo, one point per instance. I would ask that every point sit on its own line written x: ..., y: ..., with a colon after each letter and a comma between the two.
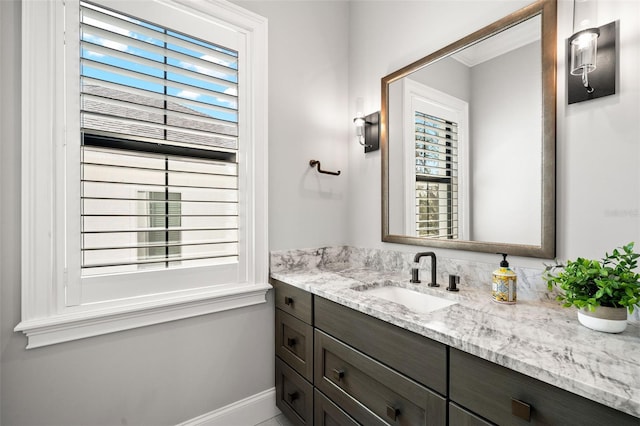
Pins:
x: 605, y: 319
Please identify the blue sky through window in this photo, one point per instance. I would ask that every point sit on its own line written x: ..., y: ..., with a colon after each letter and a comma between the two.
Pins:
x: 121, y: 59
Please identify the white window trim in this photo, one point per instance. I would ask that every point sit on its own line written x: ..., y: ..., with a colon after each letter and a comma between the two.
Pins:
x: 45, y: 318
x: 414, y: 91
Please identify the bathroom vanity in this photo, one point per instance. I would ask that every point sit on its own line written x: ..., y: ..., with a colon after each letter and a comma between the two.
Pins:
x: 344, y: 357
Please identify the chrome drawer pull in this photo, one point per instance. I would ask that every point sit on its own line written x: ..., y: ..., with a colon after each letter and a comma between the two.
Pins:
x: 288, y: 300
x: 392, y: 413
x: 521, y: 409
x: 338, y: 375
x: 291, y: 342
x: 292, y: 397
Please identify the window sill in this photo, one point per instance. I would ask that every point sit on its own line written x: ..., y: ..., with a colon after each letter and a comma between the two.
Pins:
x: 66, y: 327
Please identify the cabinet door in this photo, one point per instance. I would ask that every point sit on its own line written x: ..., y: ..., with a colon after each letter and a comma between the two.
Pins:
x: 294, y: 395
x: 507, y: 397
x: 294, y: 343
x: 361, y: 386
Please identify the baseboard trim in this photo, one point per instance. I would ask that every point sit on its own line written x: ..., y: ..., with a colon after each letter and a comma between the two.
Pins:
x: 246, y: 412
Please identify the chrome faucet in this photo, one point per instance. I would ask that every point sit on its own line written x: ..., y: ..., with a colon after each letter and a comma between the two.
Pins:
x: 415, y: 269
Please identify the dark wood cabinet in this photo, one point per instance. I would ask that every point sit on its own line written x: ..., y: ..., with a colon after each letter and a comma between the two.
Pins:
x: 338, y: 366
x: 294, y: 343
x: 294, y: 353
x: 361, y: 386
x: 370, y: 372
x: 458, y: 416
x: 326, y: 413
x: 294, y: 301
x: 424, y: 360
x: 294, y: 395
x: 506, y: 397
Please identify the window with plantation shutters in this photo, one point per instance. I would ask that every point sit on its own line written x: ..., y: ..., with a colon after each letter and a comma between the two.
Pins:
x: 154, y: 84
x: 144, y: 162
x: 436, y: 176
x: 159, y: 118
x: 434, y: 173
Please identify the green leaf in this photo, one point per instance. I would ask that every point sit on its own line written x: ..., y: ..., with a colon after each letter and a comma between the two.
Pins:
x: 612, y: 281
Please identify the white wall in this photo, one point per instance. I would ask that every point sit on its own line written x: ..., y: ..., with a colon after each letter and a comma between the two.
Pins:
x: 308, y: 119
x: 505, y: 146
x: 599, y: 192
x: 598, y: 196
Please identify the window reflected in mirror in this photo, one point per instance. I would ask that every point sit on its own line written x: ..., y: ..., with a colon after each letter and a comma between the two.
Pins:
x: 469, y: 142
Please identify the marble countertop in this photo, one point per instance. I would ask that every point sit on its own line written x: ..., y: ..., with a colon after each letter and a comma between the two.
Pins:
x: 534, y: 337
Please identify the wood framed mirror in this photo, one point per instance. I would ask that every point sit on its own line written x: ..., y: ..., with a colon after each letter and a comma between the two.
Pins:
x: 468, y: 137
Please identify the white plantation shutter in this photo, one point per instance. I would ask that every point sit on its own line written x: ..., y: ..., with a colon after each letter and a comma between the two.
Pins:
x: 152, y: 84
x: 144, y: 176
x: 159, y: 172
x: 147, y: 210
x: 436, y: 152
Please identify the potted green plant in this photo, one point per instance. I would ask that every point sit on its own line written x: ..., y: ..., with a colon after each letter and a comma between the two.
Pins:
x: 603, y: 290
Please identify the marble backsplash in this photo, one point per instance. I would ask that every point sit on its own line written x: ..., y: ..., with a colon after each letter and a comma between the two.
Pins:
x: 398, y: 264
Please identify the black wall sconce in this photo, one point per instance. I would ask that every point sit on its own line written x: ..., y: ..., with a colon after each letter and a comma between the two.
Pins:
x: 368, y: 131
x: 591, y: 59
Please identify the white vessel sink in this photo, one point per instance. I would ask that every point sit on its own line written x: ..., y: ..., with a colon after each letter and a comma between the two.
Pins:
x: 418, y: 302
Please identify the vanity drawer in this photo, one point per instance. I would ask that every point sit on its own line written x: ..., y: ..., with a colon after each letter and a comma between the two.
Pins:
x: 458, y: 416
x: 294, y: 343
x: 415, y: 356
x: 504, y: 396
x: 326, y: 413
x: 361, y: 386
x: 293, y: 300
x: 294, y: 395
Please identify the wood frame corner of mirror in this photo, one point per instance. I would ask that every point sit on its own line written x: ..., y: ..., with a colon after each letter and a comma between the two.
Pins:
x: 470, y: 164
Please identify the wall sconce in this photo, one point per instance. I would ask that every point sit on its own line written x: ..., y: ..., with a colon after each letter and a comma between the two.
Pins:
x: 592, y: 58
x: 368, y: 131
x: 584, y: 49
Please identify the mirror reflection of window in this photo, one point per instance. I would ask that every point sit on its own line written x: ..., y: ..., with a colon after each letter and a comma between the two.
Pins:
x: 505, y: 73
x: 436, y: 176
x: 434, y: 156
